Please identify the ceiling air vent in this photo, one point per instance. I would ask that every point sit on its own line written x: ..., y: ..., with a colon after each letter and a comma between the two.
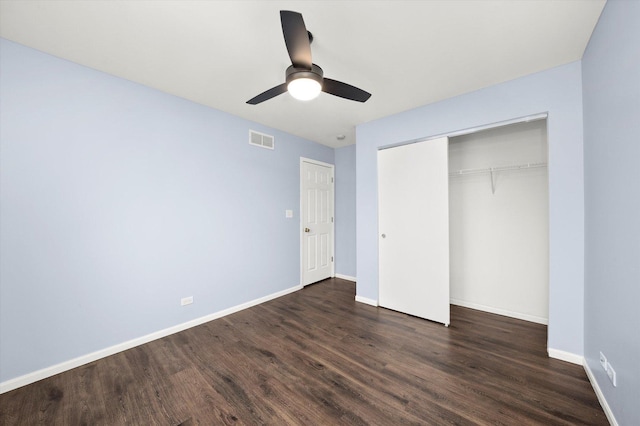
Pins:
x: 260, y: 139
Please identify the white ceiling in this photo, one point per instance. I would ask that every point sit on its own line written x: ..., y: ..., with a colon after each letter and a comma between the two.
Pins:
x: 222, y: 53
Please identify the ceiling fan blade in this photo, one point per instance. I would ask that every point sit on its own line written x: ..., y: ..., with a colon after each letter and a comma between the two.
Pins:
x: 271, y: 93
x: 296, y: 38
x: 344, y: 90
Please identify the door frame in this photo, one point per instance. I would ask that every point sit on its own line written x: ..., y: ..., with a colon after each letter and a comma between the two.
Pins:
x: 333, y: 211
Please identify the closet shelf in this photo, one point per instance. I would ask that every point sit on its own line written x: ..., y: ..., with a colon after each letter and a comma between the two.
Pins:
x: 497, y: 169
x: 493, y: 170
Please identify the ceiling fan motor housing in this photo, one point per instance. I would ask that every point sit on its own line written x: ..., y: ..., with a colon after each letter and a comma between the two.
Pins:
x: 294, y: 73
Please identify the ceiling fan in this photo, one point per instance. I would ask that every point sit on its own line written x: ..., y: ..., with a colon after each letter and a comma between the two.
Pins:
x: 303, y: 79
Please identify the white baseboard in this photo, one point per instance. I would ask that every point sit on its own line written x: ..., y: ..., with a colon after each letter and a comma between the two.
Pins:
x: 600, y: 395
x: 366, y: 300
x: 565, y: 356
x: 29, y: 378
x: 499, y: 311
x: 346, y: 277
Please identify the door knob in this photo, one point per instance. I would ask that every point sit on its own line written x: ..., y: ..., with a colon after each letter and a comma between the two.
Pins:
x: 384, y: 235
x: 307, y: 230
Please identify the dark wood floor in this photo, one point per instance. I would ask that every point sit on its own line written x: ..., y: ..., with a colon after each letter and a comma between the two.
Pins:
x: 318, y: 357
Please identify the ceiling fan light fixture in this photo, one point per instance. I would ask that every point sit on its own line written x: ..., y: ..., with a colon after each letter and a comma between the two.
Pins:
x: 304, y: 89
x: 304, y: 84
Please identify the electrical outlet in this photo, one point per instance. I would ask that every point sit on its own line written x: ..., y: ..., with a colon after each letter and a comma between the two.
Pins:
x: 186, y: 300
x: 612, y: 374
x: 603, y: 361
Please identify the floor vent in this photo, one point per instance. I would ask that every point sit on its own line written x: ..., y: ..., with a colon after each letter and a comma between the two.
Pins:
x: 260, y: 139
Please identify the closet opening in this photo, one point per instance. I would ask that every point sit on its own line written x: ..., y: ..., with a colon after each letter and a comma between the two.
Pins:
x: 499, y: 221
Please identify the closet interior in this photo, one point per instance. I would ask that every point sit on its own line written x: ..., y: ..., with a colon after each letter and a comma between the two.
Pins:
x: 498, y: 221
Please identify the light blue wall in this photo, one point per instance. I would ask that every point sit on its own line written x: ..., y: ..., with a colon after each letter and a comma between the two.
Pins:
x: 345, y: 161
x: 118, y: 200
x: 611, y: 92
x: 557, y: 91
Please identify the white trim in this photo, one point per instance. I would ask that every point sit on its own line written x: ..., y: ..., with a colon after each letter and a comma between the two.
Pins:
x: 499, y: 311
x: 470, y: 130
x: 600, y: 395
x: 565, y: 356
x: 346, y: 277
x: 366, y: 300
x: 29, y: 378
x: 333, y: 214
x: 525, y: 119
x: 319, y: 163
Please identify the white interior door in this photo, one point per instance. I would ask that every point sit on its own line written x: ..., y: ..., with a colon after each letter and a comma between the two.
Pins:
x: 316, y: 195
x: 413, y: 222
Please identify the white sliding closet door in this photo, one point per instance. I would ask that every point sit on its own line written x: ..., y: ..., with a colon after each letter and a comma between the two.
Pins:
x: 413, y: 224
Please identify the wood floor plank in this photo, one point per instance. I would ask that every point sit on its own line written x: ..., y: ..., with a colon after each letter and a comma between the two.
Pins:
x: 318, y: 357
